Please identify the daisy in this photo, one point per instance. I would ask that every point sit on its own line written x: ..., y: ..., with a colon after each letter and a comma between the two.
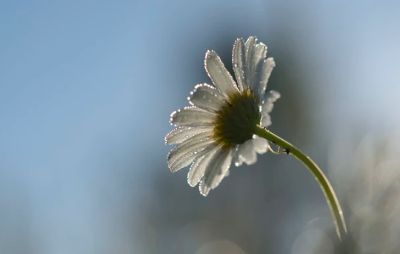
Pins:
x: 227, y: 122
x: 219, y: 126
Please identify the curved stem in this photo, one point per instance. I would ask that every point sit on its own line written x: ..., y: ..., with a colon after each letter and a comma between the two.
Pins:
x: 319, y: 176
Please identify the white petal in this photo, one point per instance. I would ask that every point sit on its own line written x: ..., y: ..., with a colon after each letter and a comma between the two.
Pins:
x: 269, y: 102
x: 213, y: 176
x: 266, y: 120
x: 246, y: 153
x: 216, y: 170
x: 206, y: 97
x: 182, y: 133
x: 259, y: 52
x: 249, y: 45
x: 183, y: 154
x: 192, y: 116
x: 257, y: 68
x: 199, y: 166
x: 238, y: 62
x: 265, y: 72
x: 267, y: 106
x: 219, y: 75
x: 260, y: 145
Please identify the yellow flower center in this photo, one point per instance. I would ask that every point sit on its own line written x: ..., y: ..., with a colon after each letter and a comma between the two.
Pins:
x: 237, y: 119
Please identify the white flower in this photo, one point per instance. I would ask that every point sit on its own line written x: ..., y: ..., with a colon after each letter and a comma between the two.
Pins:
x: 218, y: 126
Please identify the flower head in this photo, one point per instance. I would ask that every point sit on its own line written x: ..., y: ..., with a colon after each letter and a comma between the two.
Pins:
x: 218, y: 126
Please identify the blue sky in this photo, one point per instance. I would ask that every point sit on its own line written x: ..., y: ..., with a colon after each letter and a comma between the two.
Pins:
x: 86, y: 88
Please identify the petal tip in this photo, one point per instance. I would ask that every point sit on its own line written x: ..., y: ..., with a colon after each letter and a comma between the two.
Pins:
x: 271, y: 62
x: 252, y: 38
x: 238, y: 41
x: 203, y: 188
x: 275, y: 94
x: 210, y: 53
x: 172, y: 117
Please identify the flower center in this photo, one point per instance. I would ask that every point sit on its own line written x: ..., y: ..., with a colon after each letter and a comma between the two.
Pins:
x: 236, y: 120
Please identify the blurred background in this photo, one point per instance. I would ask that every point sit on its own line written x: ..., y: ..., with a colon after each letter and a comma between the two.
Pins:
x: 86, y: 89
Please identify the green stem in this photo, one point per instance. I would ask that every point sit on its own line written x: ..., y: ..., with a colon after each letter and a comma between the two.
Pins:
x: 322, y: 180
